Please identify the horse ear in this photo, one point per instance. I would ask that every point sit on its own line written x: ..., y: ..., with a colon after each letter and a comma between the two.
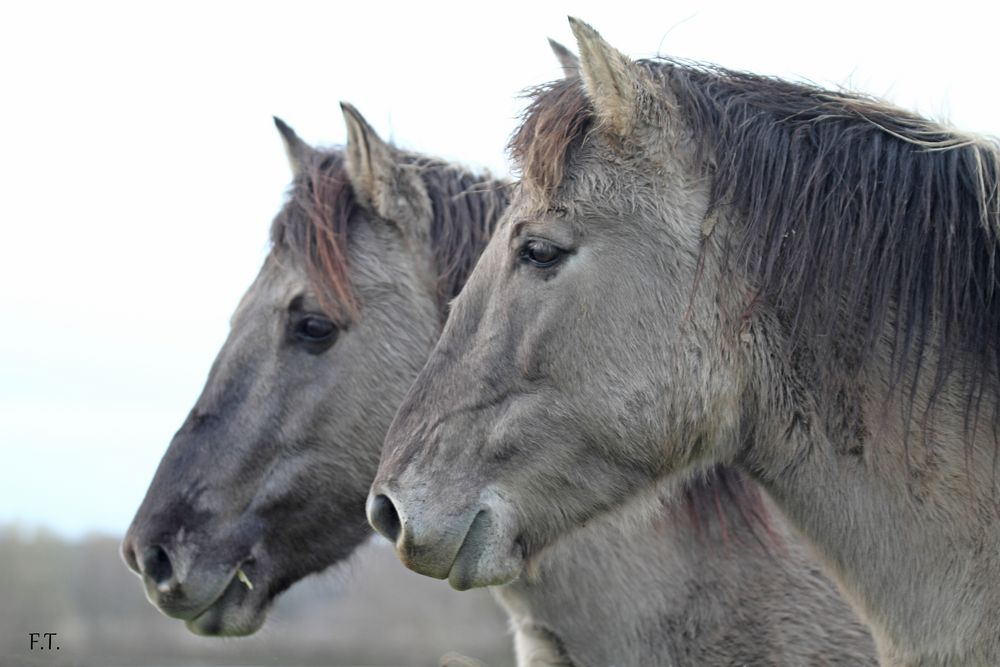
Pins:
x: 297, y: 150
x: 369, y: 159
x: 380, y: 181
x: 614, y: 83
x: 567, y: 59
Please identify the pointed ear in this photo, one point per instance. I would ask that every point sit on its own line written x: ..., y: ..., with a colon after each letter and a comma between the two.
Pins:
x: 567, y: 59
x: 614, y: 83
x: 369, y: 159
x: 298, y: 151
x: 381, y: 181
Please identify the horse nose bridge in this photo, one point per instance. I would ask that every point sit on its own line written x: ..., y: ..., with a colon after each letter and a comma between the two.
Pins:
x: 227, y: 387
x: 177, y: 500
x: 215, y: 407
x: 199, y: 420
x: 426, y: 439
x: 442, y: 382
x: 409, y: 437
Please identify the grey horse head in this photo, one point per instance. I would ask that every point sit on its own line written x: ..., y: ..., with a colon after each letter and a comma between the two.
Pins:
x: 541, y: 404
x: 265, y: 482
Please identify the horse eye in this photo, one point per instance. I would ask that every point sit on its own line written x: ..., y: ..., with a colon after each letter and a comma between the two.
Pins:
x: 315, y: 329
x: 541, y: 254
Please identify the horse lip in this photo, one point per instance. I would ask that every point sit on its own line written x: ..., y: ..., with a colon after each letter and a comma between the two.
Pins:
x: 469, y: 574
x: 218, y: 598
x: 421, y: 559
x: 414, y: 561
x: 192, y: 615
x: 465, y: 540
x: 203, y: 624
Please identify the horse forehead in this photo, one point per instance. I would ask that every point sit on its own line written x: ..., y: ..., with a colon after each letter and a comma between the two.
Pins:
x: 595, y: 180
x: 279, y: 280
x: 530, y: 204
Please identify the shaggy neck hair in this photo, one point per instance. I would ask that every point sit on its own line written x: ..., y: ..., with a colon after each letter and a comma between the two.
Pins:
x: 314, y: 225
x: 851, y: 218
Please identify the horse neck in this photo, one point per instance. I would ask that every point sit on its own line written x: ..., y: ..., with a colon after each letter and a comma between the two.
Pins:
x: 914, y: 545
x: 667, y: 589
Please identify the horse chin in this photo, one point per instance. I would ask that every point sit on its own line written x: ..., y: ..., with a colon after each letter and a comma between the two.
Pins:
x: 238, y: 612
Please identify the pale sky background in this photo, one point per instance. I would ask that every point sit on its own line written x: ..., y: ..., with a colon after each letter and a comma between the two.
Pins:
x: 139, y: 171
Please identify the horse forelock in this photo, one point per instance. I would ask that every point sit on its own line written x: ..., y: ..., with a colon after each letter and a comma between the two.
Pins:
x: 558, y: 116
x: 314, y: 225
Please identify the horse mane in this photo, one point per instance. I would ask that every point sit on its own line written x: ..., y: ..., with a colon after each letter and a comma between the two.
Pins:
x: 721, y: 494
x: 321, y: 201
x: 466, y: 207
x: 852, y: 217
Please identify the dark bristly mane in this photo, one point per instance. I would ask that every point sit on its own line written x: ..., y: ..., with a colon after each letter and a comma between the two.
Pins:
x: 314, y: 225
x: 856, y: 218
x: 466, y: 207
x: 722, y: 494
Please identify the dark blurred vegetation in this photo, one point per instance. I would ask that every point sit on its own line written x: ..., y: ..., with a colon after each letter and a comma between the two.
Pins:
x: 371, y: 612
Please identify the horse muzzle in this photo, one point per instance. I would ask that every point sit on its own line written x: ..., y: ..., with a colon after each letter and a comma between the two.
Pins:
x: 212, y: 599
x: 472, y: 547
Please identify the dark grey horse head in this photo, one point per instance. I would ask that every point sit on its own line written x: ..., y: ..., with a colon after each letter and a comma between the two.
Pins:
x: 265, y: 481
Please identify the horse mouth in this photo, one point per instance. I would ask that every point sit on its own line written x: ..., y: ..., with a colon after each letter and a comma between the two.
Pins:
x: 481, y: 559
x: 238, y: 610
x: 235, y: 606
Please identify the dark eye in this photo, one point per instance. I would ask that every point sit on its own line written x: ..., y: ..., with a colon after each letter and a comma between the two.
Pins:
x: 315, y: 329
x: 541, y: 253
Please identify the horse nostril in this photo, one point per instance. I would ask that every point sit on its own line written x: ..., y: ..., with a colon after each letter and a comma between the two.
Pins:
x: 383, y: 517
x: 156, y: 565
